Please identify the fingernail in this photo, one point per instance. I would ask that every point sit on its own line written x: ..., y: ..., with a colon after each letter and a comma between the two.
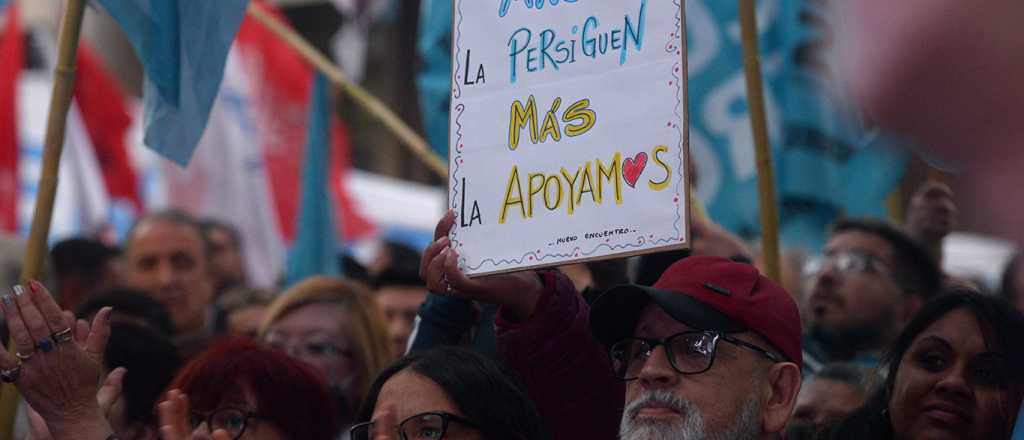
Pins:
x: 7, y: 299
x: 19, y: 290
x: 33, y: 285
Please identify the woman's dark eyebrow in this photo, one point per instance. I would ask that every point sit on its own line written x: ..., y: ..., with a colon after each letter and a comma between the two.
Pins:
x: 932, y: 339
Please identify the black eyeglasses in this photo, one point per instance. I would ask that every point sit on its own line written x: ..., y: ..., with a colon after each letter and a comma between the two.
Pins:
x: 691, y: 352
x: 426, y: 426
x: 232, y: 420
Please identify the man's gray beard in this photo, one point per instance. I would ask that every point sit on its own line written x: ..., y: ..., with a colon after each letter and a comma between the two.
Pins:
x: 690, y: 427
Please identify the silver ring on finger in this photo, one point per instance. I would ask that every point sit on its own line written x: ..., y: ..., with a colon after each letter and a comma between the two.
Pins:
x: 11, y: 374
x: 24, y: 357
x: 62, y: 336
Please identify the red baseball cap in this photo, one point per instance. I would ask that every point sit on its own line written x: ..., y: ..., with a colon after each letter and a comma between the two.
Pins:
x: 706, y: 293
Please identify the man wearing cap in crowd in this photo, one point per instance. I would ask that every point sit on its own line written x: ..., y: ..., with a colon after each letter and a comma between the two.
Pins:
x: 712, y: 350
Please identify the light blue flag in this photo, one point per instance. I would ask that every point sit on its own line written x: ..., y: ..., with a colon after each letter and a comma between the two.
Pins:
x: 826, y: 163
x: 183, y: 46
x: 435, y: 71
x: 315, y: 251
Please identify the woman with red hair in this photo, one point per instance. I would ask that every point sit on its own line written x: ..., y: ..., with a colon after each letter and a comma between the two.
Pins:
x: 240, y: 390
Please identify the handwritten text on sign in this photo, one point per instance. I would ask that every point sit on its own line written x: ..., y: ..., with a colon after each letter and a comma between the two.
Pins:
x: 567, y: 132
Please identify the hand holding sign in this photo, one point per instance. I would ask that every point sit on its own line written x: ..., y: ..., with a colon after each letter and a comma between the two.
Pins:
x: 516, y: 291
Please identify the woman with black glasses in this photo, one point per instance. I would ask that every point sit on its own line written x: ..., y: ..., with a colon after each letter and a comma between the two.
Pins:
x: 448, y: 393
x: 241, y: 390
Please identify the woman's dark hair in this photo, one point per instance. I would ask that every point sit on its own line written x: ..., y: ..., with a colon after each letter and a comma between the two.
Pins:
x: 487, y: 392
x: 129, y: 301
x: 1009, y: 288
x: 151, y: 360
x: 1001, y: 328
x: 288, y: 393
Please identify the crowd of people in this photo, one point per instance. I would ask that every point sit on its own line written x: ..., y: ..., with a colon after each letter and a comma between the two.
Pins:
x: 163, y: 338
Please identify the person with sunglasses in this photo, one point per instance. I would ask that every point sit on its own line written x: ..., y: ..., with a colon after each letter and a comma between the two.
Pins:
x: 448, y: 393
x: 872, y: 280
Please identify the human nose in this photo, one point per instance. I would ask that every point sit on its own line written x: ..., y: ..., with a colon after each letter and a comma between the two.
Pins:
x: 202, y: 432
x: 164, y: 273
x: 657, y: 372
x: 954, y: 383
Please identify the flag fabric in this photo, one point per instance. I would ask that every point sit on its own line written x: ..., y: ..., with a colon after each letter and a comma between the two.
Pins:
x: 280, y: 98
x: 315, y: 249
x: 258, y: 127
x: 12, y: 61
x: 107, y: 120
x: 183, y: 46
x: 82, y: 205
x: 433, y: 77
x: 227, y: 179
x: 827, y: 163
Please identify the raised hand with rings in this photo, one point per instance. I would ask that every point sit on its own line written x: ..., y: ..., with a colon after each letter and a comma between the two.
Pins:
x: 59, y: 362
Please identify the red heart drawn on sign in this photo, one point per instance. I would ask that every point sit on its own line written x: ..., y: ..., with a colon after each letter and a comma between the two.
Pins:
x: 632, y: 168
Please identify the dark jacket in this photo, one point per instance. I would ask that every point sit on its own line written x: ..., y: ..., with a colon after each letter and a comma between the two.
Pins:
x: 568, y: 373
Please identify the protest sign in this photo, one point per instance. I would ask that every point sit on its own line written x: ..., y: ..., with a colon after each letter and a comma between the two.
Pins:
x: 568, y: 131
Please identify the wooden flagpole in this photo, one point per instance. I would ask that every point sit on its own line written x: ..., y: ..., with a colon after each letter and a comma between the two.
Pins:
x: 60, y: 102
x: 414, y: 142
x: 762, y: 150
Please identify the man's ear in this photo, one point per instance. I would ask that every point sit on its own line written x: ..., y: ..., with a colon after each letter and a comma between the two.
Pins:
x: 782, y: 388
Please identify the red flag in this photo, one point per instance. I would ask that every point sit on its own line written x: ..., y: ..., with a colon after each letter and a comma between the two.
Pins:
x: 107, y: 120
x: 12, y: 60
x: 282, y: 81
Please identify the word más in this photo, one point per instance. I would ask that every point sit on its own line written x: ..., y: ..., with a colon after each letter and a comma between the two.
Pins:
x: 578, y: 117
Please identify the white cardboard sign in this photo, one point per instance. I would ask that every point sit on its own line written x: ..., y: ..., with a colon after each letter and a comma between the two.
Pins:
x: 568, y: 131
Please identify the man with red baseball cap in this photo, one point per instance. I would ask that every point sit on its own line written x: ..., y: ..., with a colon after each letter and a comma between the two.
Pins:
x: 711, y: 351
